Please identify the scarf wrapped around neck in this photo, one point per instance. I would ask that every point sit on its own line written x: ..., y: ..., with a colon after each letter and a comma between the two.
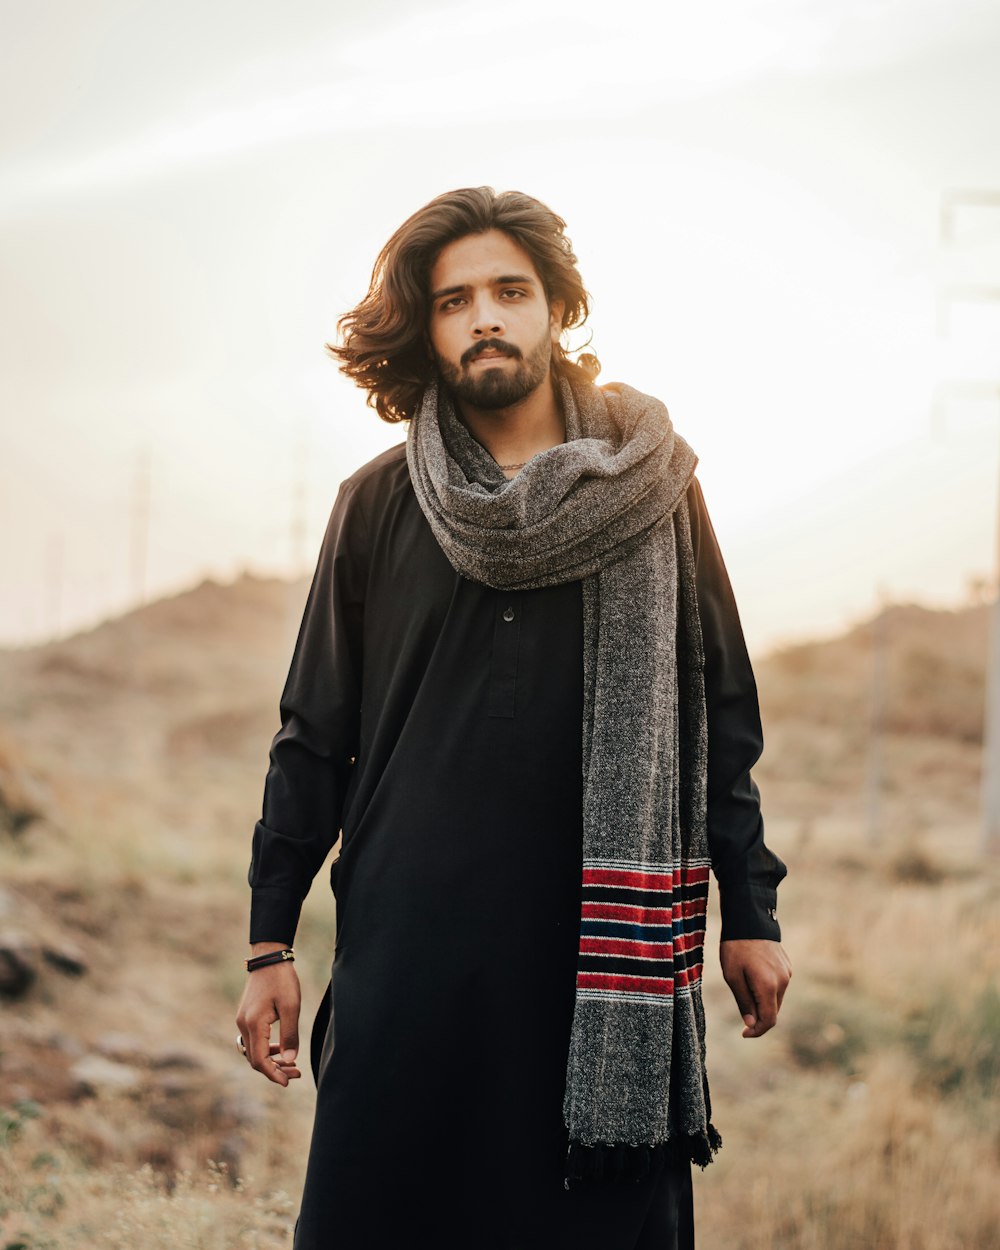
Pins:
x: 608, y: 507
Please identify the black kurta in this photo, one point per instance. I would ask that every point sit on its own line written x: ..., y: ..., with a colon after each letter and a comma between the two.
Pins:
x: 437, y: 722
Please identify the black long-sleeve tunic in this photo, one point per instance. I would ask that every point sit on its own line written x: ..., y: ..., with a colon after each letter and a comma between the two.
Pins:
x: 437, y: 722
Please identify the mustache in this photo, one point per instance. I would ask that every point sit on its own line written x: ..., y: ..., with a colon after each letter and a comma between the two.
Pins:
x: 489, y: 345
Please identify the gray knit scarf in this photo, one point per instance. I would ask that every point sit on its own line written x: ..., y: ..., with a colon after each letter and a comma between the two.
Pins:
x: 609, y: 507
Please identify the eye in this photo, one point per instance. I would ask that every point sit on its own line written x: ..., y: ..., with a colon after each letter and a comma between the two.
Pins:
x: 453, y: 301
x: 511, y: 293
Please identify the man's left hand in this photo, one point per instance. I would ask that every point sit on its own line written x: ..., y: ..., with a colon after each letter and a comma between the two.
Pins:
x: 758, y: 972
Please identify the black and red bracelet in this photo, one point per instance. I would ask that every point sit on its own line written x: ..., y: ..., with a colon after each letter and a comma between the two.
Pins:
x: 272, y: 957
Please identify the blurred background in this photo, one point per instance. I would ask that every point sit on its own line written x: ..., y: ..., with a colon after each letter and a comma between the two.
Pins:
x: 788, y: 216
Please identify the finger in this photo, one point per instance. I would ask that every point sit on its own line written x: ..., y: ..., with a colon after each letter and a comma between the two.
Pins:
x: 245, y: 1037
x: 289, y: 1032
x: 744, y: 1001
x: 275, y: 1071
x: 765, y: 996
x: 290, y: 1068
x: 260, y: 1059
x: 783, y: 975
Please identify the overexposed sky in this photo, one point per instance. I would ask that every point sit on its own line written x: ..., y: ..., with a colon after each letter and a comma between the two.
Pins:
x: 190, y: 195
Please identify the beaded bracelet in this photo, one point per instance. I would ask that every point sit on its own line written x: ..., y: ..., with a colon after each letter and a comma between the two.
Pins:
x: 272, y: 957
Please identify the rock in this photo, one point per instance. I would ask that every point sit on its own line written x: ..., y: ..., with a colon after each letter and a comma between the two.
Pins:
x: 66, y: 1044
x: 23, y: 797
x: 35, y: 1069
x: 65, y: 956
x: 28, y: 940
x: 18, y: 963
x: 174, y: 1057
x: 98, y: 1074
x: 123, y: 1047
x: 178, y: 1084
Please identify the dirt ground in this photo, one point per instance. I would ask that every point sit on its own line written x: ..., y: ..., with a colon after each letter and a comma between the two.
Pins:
x: 131, y: 765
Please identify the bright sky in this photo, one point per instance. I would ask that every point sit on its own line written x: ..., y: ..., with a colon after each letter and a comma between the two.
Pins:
x: 191, y: 194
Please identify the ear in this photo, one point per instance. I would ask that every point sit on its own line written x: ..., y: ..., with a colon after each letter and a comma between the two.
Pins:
x: 556, y: 310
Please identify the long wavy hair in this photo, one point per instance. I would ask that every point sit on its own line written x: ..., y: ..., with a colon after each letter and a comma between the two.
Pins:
x: 383, y: 345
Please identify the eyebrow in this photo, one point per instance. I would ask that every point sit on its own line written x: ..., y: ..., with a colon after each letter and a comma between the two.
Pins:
x: 521, y: 279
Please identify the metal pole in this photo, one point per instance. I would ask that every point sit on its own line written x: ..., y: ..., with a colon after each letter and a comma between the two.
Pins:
x: 300, y: 525
x: 991, y: 719
x: 55, y: 563
x: 952, y: 205
x: 876, y: 738
x: 140, y: 526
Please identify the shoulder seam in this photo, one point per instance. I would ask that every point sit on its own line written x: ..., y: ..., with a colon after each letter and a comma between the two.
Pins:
x: 388, y: 457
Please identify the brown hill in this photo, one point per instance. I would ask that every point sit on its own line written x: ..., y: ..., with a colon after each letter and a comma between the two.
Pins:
x: 131, y: 764
x: 881, y: 726
x: 179, y: 695
x: 170, y: 708
x: 200, y: 671
x: 934, y: 667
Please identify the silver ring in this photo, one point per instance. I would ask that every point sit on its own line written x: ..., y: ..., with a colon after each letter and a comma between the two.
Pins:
x: 241, y: 1045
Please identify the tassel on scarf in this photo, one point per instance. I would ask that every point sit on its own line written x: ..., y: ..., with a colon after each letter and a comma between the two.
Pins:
x: 619, y: 1163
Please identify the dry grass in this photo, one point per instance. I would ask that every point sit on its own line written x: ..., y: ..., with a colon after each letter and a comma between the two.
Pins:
x: 51, y: 1201
x: 866, y: 1120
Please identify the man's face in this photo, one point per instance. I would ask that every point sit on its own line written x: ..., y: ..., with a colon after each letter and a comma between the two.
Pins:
x: 490, y: 326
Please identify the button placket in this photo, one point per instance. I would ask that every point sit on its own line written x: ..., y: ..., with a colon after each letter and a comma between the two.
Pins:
x: 503, y: 662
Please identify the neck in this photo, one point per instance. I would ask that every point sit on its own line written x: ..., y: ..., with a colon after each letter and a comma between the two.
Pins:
x: 513, y: 435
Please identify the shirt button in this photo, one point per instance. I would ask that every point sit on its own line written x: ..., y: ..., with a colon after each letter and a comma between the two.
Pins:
x: 508, y: 614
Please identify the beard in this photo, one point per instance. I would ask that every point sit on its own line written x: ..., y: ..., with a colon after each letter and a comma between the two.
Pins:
x: 500, y: 387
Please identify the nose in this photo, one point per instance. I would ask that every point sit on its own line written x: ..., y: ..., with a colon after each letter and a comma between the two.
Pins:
x: 486, y: 321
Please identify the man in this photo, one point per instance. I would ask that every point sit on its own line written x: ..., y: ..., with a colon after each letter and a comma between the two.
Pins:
x: 521, y: 691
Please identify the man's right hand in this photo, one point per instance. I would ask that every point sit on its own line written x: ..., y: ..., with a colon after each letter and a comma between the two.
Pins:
x: 272, y: 995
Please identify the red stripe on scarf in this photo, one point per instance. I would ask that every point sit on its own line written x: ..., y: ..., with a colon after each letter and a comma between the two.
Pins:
x: 609, y: 981
x: 626, y: 911
x: 625, y: 946
x: 690, y: 907
x: 646, y: 880
x: 688, y: 976
x: 689, y: 941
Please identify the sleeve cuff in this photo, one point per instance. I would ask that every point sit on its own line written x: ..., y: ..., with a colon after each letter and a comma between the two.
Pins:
x: 748, y: 913
x: 274, y: 915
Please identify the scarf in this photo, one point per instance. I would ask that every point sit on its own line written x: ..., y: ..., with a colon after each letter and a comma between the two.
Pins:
x: 609, y: 507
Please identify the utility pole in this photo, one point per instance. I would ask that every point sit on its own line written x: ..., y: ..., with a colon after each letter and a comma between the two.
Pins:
x: 876, y: 719
x: 956, y: 205
x: 54, y: 575
x: 300, y: 503
x: 139, y: 554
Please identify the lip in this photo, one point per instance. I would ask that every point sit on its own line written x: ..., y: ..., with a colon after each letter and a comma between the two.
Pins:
x: 489, y: 357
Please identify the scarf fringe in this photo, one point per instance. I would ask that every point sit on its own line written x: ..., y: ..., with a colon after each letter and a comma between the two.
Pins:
x: 615, y: 1163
